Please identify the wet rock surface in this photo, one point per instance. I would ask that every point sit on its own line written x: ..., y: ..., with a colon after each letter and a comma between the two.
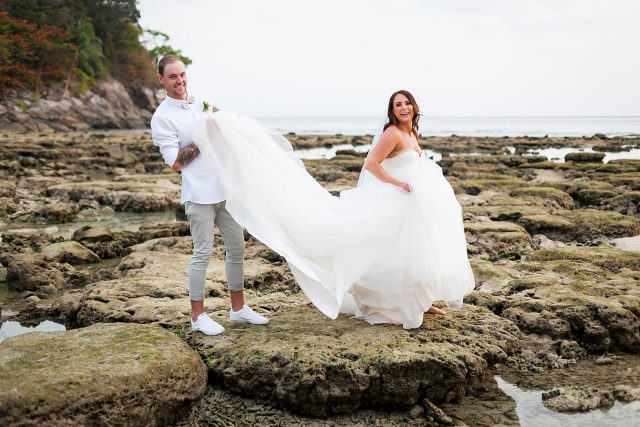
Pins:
x: 576, y: 399
x: 107, y: 374
x: 553, y: 292
x: 316, y: 368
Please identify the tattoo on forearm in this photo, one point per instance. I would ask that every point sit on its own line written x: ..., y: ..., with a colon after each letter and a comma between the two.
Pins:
x: 187, y: 154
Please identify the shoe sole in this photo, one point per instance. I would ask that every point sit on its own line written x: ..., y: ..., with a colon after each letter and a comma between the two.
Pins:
x: 209, y: 335
x: 249, y: 322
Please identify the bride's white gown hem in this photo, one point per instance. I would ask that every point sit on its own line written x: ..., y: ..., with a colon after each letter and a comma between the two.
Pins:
x: 386, y: 254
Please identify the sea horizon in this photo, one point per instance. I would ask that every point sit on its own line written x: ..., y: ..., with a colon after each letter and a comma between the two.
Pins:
x: 494, y: 126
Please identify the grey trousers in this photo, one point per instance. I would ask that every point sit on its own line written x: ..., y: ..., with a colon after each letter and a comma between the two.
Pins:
x: 202, y: 218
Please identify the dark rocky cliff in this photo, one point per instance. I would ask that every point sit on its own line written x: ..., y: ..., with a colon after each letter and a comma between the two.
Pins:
x: 110, y: 105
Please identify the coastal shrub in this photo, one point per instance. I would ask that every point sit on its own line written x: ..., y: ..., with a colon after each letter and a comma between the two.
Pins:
x: 74, y: 43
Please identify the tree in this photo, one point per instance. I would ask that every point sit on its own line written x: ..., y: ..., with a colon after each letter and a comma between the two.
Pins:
x: 161, y: 48
x: 45, y: 41
x: 29, y: 55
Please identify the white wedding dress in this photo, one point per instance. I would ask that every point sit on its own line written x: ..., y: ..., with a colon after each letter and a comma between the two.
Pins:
x: 389, y: 252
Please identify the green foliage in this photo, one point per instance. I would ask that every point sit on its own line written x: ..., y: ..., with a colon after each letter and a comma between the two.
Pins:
x: 82, y: 81
x: 46, y: 41
x: 31, y: 55
x: 162, y: 48
x: 89, y: 56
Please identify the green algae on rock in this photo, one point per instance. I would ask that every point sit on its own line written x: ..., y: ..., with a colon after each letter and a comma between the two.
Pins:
x: 608, y: 258
x: 586, y: 157
x: 498, y: 239
x: 312, y: 365
x: 587, y: 294
x: 106, y: 374
x: 559, y: 197
x: 581, y: 225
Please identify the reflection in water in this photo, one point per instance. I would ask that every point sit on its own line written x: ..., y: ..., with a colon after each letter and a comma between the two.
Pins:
x: 120, y: 221
x: 12, y: 329
x: 330, y: 152
x: 532, y: 413
x: 553, y: 154
x: 557, y: 154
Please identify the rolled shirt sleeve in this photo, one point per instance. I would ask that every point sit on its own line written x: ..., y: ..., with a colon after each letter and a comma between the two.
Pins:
x: 165, y: 137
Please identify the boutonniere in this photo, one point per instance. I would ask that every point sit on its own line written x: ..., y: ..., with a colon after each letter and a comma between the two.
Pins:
x: 206, y: 107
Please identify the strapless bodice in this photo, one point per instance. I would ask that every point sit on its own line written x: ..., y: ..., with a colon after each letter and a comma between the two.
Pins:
x: 401, y: 163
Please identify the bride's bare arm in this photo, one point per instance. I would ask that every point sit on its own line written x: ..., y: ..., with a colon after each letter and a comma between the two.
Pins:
x: 389, y: 141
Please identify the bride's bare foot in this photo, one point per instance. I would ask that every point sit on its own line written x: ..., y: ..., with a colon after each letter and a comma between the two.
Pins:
x: 436, y: 310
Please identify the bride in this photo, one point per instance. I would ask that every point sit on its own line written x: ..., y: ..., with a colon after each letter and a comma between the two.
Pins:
x: 383, y: 251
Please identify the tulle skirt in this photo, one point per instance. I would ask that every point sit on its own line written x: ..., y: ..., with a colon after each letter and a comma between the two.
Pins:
x: 385, y: 253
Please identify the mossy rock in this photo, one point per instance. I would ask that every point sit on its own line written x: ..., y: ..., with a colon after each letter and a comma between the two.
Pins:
x: 553, y: 226
x: 498, y: 239
x: 485, y: 182
x: 582, y: 225
x: 313, y: 365
x: 630, y: 180
x: 106, y: 374
x: 590, y: 224
x: 627, y: 203
x: 7, y: 188
x: 546, y: 164
x: 586, y: 192
x: 492, y: 226
x: 607, y: 258
x: 563, y: 184
x: 503, y: 213
x: 559, y: 197
x: 584, y: 157
x: 541, y: 323
x: 528, y: 282
x: 491, y: 277
x: 594, y: 196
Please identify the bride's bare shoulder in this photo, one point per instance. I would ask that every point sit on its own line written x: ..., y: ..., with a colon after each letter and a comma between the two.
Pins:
x: 391, y: 132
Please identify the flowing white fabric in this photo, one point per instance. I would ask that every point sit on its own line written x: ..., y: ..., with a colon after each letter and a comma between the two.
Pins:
x: 394, y: 252
x: 365, y: 175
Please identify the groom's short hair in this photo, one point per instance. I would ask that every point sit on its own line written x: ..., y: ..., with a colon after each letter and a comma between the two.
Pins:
x: 164, y: 61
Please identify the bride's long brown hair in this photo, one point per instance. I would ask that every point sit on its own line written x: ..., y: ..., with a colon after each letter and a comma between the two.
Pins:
x: 416, y: 112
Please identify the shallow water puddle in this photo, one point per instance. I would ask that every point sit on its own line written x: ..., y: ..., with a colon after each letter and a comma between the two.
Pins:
x: 628, y: 243
x: 330, y: 152
x: 12, y: 329
x: 119, y: 221
x: 558, y: 154
x: 532, y: 413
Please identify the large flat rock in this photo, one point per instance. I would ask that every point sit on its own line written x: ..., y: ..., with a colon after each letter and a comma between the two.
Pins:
x: 312, y: 365
x: 154, y: 287
x: 105, y: 374
x: 587, y: 294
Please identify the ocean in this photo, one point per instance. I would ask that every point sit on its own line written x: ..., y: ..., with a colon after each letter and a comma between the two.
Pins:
x: 466, y: 126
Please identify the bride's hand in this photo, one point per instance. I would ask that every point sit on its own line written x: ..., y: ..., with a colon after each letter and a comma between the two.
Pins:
x: 405, y: 187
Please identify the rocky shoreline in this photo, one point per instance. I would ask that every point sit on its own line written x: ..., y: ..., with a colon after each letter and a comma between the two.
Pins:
x: 109, y: 105
x: 553, y: 291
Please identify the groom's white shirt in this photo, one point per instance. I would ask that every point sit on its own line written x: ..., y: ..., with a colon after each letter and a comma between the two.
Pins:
x: 172, y: 128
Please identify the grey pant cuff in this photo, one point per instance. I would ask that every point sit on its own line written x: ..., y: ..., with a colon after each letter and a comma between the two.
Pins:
x: 235, y: 287
x: 196, y: 297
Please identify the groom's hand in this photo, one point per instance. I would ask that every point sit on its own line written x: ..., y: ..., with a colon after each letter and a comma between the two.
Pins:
x: 185, y: 156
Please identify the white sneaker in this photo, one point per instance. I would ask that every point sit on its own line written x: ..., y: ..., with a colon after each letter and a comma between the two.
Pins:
x: 246, y: 315
x: 206, y: 325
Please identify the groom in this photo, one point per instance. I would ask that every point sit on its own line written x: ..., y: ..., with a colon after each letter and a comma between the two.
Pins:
x: 172, y: 128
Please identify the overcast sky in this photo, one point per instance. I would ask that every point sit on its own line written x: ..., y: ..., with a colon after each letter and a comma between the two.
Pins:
x: 458, y: 57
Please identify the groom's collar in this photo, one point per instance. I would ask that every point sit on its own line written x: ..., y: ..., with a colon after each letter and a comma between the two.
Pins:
x: 176, y: 102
